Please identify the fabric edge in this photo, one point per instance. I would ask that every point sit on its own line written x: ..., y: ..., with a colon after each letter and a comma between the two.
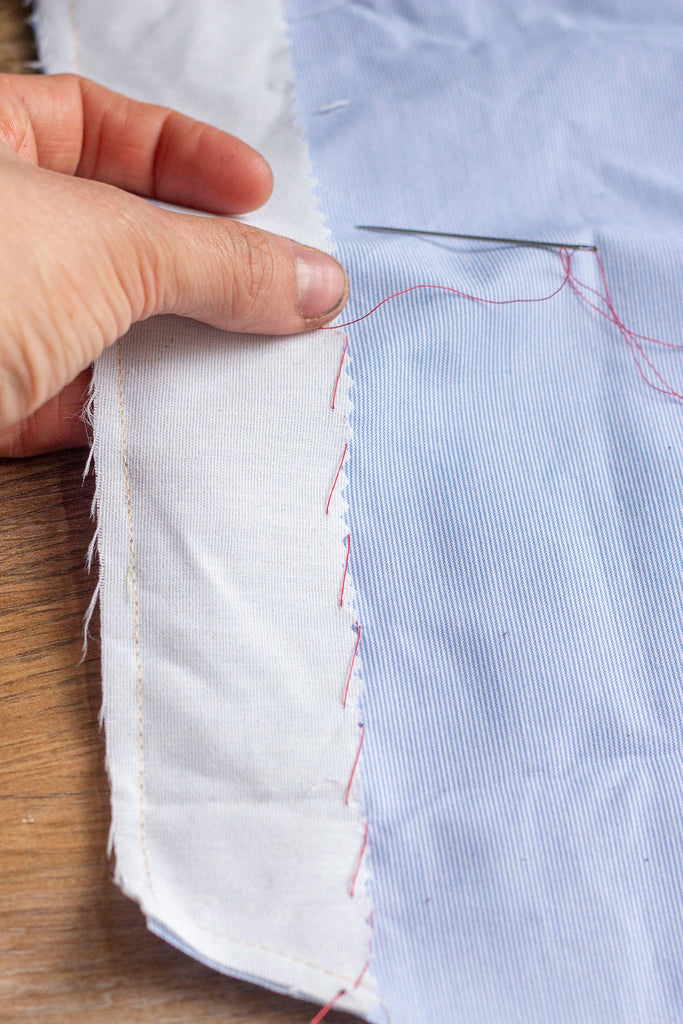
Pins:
x: 58, y: 46
x: 54, y: 27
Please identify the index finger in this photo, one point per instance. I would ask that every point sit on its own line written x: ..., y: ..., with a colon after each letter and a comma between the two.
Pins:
x: 85, y: 129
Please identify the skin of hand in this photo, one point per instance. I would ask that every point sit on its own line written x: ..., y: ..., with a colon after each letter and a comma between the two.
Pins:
x: 83, y: 256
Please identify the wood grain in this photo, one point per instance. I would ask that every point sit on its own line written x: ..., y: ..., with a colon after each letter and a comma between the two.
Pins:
x: 73, y: 949
x: 17, y: 45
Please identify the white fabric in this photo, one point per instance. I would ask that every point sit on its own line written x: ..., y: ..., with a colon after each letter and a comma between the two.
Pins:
x: 225, y: 649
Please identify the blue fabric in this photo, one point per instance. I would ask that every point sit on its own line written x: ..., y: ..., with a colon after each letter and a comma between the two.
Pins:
x: 516, y: 497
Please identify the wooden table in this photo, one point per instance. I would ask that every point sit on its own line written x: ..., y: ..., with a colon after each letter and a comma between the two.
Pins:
x: 72, y: 947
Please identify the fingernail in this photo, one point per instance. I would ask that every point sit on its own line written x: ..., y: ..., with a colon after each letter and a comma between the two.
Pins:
x: 321, y: 283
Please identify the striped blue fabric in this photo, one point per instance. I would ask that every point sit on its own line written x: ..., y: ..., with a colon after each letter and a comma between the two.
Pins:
x: 516, y: 496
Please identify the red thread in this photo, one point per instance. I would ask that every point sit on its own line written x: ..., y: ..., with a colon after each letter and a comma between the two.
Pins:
x: 361, y: 975
x: 336, y: 383
x: 346, y: 569
x: 355, y: 764
x: 632, y: 338
x: 321, y: 1014
x: 352, y: 890
x: 643, y: 337
x: 457, y: 291
x: 353, y: 662
x: 327, y: 508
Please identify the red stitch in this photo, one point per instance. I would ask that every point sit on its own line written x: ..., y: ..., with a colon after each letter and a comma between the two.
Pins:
x: 327, y: 509
x: 353, y: 661
x: 346, y: 569
x: 355, y: 764
x: 336, y: 383
x: 352, y: 890
x: 328, y: 1006
x: 321, y: 1014
x: 362, y: 974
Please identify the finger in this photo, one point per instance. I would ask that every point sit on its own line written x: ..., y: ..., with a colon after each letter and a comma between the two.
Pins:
x: 243, y: 279
x: 84, y: 129
x: 56, y: 425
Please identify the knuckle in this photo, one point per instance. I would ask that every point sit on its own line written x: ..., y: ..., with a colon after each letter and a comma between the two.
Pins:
x: 253, y: 276
x: 137, y: 265
x: 15, y: 440
x: 150, y: 260
x: 15, y: 125
x: 130, y: 260
x: 21, y: 384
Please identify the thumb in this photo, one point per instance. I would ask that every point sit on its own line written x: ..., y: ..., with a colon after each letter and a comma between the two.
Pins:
x: 107, y: 259
x: 240, y: 278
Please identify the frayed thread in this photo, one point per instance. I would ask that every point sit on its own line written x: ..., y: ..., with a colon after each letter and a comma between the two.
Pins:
x: 86, y: 624
x: 88, y: 417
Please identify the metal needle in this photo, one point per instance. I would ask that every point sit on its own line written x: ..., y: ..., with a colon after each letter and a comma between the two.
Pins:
x: 482, y: 238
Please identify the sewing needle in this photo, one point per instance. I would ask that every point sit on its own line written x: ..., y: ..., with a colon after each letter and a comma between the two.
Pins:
x: 482, y: 238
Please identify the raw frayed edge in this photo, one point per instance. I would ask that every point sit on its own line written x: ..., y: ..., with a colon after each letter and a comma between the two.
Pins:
x: 50, y: 60
x: 88, y: 417
x: 300, y: 133
x: 40, y: 35
x: 33, y: 20
x: 360, y: 873
x: 344, y: 408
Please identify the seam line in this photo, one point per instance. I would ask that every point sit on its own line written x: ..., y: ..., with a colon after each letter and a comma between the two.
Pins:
x: 136, y: 615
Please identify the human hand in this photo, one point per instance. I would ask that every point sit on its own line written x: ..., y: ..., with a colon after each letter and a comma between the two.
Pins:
x: 81, y: 258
